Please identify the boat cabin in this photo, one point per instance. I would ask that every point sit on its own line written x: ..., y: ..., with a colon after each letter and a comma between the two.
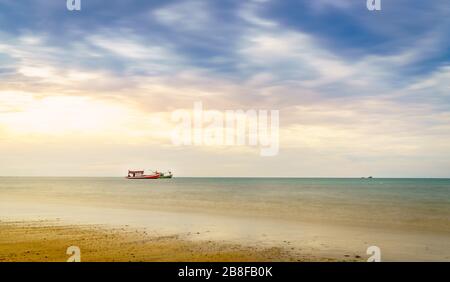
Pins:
x: 135, y: 173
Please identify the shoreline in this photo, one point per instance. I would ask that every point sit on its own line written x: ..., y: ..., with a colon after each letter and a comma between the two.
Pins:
x: 47, y: 241
x: 436, y: 225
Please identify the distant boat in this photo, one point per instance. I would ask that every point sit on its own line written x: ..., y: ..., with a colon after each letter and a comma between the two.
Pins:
x: 139, y: 174
x: 166, y: 175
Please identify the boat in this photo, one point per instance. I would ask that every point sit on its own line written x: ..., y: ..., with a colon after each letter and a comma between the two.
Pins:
x: 139, y: 174
x: 166, y: 175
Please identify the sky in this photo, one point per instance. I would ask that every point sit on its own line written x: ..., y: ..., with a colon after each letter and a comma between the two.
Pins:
x: 92, y: 92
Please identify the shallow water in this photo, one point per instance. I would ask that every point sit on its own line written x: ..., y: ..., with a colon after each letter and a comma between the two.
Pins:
x: 412, y: 203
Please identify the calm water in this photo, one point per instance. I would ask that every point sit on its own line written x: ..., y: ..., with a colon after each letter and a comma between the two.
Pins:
x: 421, y: 204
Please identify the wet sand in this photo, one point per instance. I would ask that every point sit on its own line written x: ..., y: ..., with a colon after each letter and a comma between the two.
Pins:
x: 47, y: 241
x: 114, y: 235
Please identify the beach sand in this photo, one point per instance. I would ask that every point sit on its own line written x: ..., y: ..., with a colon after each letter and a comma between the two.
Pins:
x: 43, y: 232
x: 47, y: 241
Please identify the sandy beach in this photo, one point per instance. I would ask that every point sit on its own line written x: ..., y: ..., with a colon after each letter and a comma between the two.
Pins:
x: 47, y: 241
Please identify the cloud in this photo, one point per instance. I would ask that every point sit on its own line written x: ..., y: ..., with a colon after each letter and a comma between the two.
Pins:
x: 185, y: 15
x: 292, y: 56
x: 127, y: 48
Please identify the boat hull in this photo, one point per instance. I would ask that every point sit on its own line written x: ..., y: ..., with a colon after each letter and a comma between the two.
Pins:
x: 168, y: 176
x: 143, y: 177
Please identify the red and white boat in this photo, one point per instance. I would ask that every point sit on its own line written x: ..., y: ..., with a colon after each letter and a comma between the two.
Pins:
x: 139, y: 174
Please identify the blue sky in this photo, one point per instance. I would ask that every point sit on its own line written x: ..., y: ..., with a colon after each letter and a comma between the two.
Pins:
x: 204, y: 30
x: 359, y: 92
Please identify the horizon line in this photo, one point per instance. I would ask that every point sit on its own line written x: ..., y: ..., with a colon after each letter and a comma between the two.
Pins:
x: 262, y: 177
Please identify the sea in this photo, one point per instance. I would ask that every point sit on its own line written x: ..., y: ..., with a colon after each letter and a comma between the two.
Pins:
x: 409, y: 217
